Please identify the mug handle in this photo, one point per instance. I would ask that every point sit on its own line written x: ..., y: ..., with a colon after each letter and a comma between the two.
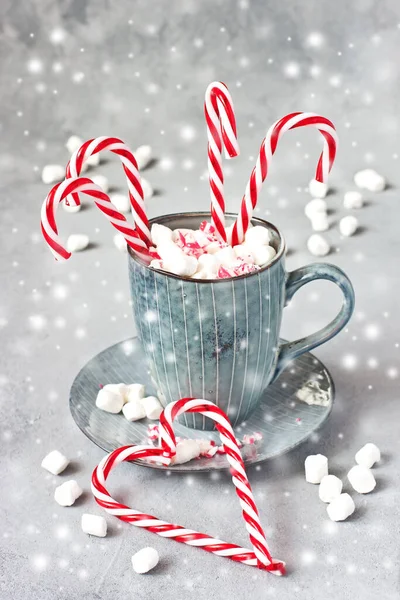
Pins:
x: 295, y: 280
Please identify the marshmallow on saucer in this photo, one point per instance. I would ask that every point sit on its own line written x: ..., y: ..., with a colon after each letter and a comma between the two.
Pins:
x: 317, y: 189
x: 134, y: 410
x: 330, y: 488
x: 145, y: 560
x: 66, y: 493
x: 110, y: 400
x: 368, y: 455
x: 341, y: 508
x: 152, y: 407
x: 186, y: 450
x: 135, y: 392
x: 53, y: 174
x: 361, y: 479
x: 77, y: 242
x: 370, y: 180
x: 316, y: 467
x: 94, y: 525
x: 353, y: 199
x: 55, y: 462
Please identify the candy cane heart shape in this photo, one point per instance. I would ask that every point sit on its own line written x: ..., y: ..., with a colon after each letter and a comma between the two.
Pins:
x: 259, y: 556
x: 77, y: 185
x: 221, y: 132
x: 268, y: 148
x: 136, y: 196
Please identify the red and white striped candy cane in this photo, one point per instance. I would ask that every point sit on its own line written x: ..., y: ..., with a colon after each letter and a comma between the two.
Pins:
x: 258, y: 557
x: 84, y: 185
x: 268, y: 147
x: 129, y: 163
x: 221, y: 131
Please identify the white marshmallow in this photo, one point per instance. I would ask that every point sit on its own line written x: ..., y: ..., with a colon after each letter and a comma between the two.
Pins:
x: 121, y: 202
x: 69, y: 208
x: 319, y: 222
x: 341, y: 507
x: 213, y: 247
x: 316, y: 467
x: 353, y: 199
x: 201, y: 237
x: 368, y: 179
x: 73, y: 143
x: 94, y: 525
x: 120, y: 242
x: 329, y: 488
x: 225, y: 257
x: 368, y: 455
x: 256, y: 236
x: 176, y: 261
x: 186, y: 450
x: 101, y: 181
x: 147, y: 188
x: 109, y: 401
x: 315, y: 207
x: 93, y: 160
x: 244, y: 252
x: 53, y: 173
x: 145, y: 560
x: 317, y: 245
x: 161, y: 234
x: 263, y: 254
x: 156, y: 264
x: 77, y: 242
x: 143, y: 156
x: 317, y: 189
x: 118, y: 388
x: 66, y: 493
x: 55, y: 462
x: 135, y: 391
x: 152, y: 407
x: 361, y: 479
x: 348, y: 225
x: 208, y: 263
x: 134, y: 410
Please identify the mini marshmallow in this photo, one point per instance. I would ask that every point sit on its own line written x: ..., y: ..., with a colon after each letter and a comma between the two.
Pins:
x: 73, y: 143
x: 69, y: 208
x: 53, y: 173
x: 361, y: 479
x: 147, y: 188
x: 319, y: 222
x: 256, y: 236
x: 316, y: 467
x: 348, y: 225
x: 135, y: 391
x: 94, y: 525
x: 118, y: 388
x: 101, y: 181
x: 152, y: 407
x: 352, y: 200
x: 143, y: 156
x: 109, y: 400
x: 120, y: 242
x: 55, y: 462
x: 145, y: 560
x: 213, y: 247
x: 368, y: 455
x: 317, y: 189
x: 176, y: 261
x: 134, y: 410
x: 329, y: 488
x: 208, y: 263
x: 161, y: 234
x: 262, y: 254
x: 341, y: 507
x: 66, y: 493
x: 121, y: 202
x: 225, y: 257
x: 315, y: 207
x: 186, y: 450
x: 156, y: 264
x: 93, y: 160
x: 77, y: 242
x: 317, y: 245
x: 370, y: 180
x: 244, y: 252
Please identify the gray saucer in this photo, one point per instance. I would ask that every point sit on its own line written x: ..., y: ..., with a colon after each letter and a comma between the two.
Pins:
x: 283, y: 420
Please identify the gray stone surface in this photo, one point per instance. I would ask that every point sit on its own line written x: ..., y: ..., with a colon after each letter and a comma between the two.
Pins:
x: 139, y: 70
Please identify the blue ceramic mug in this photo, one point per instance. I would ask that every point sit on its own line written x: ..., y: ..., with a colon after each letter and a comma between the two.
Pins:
x: 219, y: 339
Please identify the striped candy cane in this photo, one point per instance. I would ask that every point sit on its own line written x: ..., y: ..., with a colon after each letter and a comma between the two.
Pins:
x: 84, y: 185
x: 221, y: 131
x: 259, y: 556
x: 268, y: 147
x: 129, y: 163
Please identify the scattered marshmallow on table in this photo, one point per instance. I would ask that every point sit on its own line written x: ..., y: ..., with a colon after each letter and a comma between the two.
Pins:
x: 77, y: 242
x: 315, y: 207
x: 318, y: 245
x: 370, y: 180
x: 319, y: 222
x: 152, y: 407
x: 316, y: 467
x: 110, y: 400
x: 145, y: 560
x: 353, y: 199
x: 147, y: 188
x: 341, y: 507
x: 101, y: 181
x: 66, y: 493
x: 134, y: 411
x: 53, y: 174
x: 73, y: 143
x: 120, y: 242
x: 329, y: 488
x: 143, y: 156
x: 55, y: 462
x: 348, y: 225
x: 121, y: 202
x: 368, y: 455
x: 361, y: 479
x: 186, y: 450
x: 317, y: 189
x: 94, y: 525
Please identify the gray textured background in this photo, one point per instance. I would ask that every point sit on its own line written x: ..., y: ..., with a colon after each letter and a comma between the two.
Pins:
x: 139, y: 70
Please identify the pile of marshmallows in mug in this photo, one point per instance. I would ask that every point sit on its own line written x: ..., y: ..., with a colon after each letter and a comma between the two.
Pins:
x: 200, y: 254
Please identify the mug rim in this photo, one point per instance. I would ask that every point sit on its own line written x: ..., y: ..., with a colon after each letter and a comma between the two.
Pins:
x: 205, y: 214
